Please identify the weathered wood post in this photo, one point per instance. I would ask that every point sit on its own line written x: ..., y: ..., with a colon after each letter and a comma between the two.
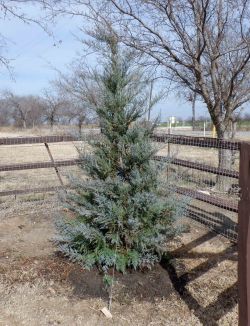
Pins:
x: 244, y: 236
x: 55, y: 167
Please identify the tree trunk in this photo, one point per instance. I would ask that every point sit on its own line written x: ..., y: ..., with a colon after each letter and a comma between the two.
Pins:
x: 80, y: 127
x: 51, y: 124
x: 225, y: 161
x: 193, y: 111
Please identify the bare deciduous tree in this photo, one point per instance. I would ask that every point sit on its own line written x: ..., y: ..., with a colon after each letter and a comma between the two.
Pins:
x: 24, y: 111
x: 19, y: 110
x: 202, y: 46
x: 80, y: 83
x: 80, y: 89
x: 36, y: 112
x: 78, y: 114
x: 5, y: 116
x: 53, y: 106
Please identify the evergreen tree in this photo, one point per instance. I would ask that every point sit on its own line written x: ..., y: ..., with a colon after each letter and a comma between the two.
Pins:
x: 120, y: 219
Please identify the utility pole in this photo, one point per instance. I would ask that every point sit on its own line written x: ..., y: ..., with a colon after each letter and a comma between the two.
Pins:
x: 150, y: 99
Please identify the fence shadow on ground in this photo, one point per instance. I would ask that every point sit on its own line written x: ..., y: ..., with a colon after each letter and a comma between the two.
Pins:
x: 225, y: 301
x: 215, y: 220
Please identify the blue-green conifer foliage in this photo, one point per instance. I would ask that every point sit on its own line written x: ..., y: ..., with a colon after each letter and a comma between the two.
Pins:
x: 120, y: 218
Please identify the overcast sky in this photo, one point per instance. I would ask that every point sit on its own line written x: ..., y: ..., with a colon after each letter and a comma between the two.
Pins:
x: 33, y: 53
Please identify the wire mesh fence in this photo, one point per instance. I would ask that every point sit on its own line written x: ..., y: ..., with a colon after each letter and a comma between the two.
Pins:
x: 204, y: 169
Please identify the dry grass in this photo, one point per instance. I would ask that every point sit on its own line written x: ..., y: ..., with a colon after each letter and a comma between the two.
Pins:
x: 18, y: 154
x: 34, y: 153
x: 35, y: 288
x: 37, y: 306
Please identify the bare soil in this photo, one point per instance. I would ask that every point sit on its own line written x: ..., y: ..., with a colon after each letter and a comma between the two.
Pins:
x: 40, y: 287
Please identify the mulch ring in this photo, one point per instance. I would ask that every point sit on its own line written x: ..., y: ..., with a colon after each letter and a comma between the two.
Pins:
x: 148, y: 285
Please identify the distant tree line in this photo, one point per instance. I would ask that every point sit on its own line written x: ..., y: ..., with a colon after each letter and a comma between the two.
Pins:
x: 48, y: 109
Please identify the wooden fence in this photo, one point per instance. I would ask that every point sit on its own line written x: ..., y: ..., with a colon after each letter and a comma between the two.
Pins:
x: 241, y: 207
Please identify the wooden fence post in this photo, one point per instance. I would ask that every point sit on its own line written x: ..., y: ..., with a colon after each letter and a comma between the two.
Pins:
x: 55, y: 167
x: 244, y: 236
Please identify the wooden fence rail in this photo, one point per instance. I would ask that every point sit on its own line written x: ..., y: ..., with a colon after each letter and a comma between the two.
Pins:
x: 198, y: 141
x: 38, y: 165
x: 173, y: 139
x: 36, y: 140
x: 199, y: 166
x: 174, y: 161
